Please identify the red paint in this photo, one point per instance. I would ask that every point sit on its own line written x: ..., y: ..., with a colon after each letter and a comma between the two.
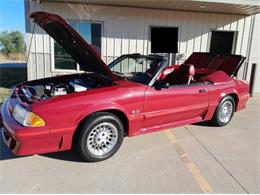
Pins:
x: 207, y: 63
x: 159, y: 109
x: 145, y: 108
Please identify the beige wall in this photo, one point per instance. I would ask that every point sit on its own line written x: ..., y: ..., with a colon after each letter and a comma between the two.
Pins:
x: 126, y: 30
x: 255, y: 53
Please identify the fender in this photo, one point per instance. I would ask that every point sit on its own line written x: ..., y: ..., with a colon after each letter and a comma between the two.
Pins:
x: 99, y: 108
x: 134, y: 120
x: 216, y: 96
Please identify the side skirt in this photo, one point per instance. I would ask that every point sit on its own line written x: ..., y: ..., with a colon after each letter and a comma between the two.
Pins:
x: 168, y: 125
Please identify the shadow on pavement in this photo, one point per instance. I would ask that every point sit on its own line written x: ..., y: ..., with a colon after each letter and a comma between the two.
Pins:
x: 64, y: 155
x: 6, y: 154
x: 204, y: 123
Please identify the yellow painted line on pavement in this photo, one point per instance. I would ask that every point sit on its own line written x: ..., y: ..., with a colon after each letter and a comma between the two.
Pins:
x: 191, y: 166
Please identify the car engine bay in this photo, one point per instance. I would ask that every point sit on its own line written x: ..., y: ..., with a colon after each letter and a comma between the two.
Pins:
x: 58, y: 86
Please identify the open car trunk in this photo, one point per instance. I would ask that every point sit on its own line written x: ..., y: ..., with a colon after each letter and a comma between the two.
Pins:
x: 207, y: 63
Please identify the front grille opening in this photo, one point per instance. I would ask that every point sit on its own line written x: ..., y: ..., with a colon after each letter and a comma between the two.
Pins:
x: 12, y: 144
x: 7, y: 136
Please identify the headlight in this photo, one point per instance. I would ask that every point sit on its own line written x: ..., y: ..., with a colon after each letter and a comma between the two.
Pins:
x: 27, y: 118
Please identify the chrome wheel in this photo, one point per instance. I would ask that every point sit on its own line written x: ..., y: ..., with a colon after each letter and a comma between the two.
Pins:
x: 225, y: 112
x: 102, y: 139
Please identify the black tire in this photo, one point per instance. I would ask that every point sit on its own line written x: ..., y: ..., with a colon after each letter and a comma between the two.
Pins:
x: 217, y: 120
x: 85, y: 131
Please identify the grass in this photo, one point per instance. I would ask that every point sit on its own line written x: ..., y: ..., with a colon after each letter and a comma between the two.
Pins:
x: 3, y: 93
x: 15, y: 56
x: 10, y: 77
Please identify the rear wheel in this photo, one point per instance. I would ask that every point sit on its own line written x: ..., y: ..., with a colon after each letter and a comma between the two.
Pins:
x: 100, y: 137
x: 224, y: 111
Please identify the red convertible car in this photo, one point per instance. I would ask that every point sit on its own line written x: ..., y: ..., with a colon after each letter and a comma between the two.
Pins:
x: 136, y: 94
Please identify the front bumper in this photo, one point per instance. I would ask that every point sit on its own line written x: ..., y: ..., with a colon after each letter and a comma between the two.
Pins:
x: 22, y: 140
x: 11, y: 143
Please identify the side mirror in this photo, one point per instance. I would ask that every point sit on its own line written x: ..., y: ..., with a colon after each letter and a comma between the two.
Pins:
x: 158, y: 85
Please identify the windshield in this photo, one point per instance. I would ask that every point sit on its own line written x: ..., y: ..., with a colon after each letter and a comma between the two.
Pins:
x: 137, y: 68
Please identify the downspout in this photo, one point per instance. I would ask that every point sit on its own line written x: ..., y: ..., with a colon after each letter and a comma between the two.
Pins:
x: 249, y: 45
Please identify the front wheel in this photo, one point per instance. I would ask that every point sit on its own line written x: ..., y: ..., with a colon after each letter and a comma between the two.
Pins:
x: 224, y: 112
x: 100, y: 137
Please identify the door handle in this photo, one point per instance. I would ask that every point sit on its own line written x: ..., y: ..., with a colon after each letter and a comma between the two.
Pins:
x: 203, y: 90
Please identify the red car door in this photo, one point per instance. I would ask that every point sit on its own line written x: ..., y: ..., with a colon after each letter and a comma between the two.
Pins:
x: 182, y: 104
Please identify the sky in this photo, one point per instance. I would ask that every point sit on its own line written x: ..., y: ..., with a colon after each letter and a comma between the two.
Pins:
x: 12, y: 15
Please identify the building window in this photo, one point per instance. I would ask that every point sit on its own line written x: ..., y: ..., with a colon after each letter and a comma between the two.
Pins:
x: 164, y: 39
x: 223, y: 42
x: 91, y: 32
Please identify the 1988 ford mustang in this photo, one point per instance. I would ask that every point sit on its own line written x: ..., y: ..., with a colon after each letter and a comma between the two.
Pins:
x: 135, y: 94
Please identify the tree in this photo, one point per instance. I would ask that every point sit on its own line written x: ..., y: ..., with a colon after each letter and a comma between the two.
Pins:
x: 11, y: 42
x: 6, y: 43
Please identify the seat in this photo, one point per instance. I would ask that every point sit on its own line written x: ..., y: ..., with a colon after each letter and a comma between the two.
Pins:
x: 217, y: 77
x: 168, y: 70
x: 184, y: 75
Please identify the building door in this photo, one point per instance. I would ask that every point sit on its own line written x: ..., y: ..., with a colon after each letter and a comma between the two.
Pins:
x: 223, y: 42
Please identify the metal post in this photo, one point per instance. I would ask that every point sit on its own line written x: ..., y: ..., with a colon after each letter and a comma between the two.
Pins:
x: 252, y: 79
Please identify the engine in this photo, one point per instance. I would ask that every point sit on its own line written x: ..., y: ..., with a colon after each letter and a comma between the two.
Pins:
x: 45, y: 91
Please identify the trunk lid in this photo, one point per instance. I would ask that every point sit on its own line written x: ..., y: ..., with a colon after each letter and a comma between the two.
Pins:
x: 210, y: 63
x: 82, y: 52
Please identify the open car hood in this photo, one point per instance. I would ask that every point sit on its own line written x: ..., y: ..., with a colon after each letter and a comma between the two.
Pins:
x: 210, y: 63
x: 86, y: 56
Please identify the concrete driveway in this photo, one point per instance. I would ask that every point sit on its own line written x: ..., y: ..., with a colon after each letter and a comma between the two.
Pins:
x: 190, y: 159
